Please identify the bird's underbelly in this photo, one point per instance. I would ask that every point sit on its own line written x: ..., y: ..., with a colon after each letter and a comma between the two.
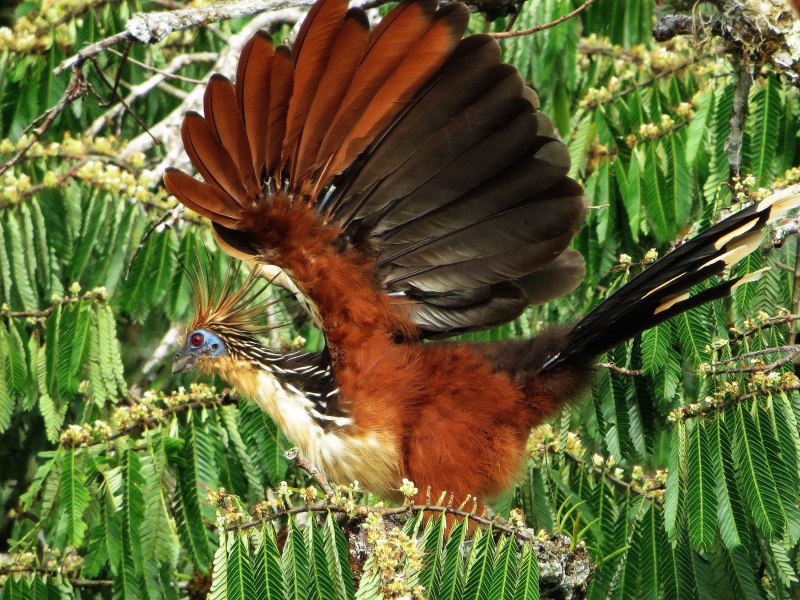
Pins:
x: 343, y: 454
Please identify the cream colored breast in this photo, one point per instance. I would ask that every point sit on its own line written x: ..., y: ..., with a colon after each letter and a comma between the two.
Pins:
x: 342, y: 456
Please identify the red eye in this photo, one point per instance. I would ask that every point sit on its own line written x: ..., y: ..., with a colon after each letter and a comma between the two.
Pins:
x: 196, y: 339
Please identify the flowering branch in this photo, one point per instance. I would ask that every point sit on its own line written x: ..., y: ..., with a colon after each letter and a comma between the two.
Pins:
x: 790, y: 351
x: 144, y: 415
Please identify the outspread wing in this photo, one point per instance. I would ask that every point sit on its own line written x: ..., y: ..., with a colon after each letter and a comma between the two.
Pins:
x: 423, y: 151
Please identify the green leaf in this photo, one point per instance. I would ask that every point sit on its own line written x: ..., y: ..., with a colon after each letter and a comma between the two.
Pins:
x: 528, y: 580
x: 369, y: 588
x: 697, y: 135
x: 658, y: 203
x: 701, y: 489
x: 268, y: 574
x: 742, y: 574
x: 765, y: 109
x: 656, y: 344
x: 480, y: 566
x: 694, y: 333
x: 196, y: 456
x: 431, y: 546
x: 132, y: 508
x: 19, y: 271
x: 631, y: 193
x: 295, y: 563
x: 760, y: 492
x: 673, y: 488
x: 230, y: 419
x: 678, y: 181
x: 733, y: 521
x: 652, y: 540
x: 219, y: 581
x: 321, y: 582
x: 449, y: 574
x: 239, y: 571
x: 338, y: 555
x: 264, y: 441
x: 73, y: 499
x: 504, y: 574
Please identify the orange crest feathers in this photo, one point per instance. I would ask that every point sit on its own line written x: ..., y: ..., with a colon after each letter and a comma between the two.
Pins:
x: 228, y: 303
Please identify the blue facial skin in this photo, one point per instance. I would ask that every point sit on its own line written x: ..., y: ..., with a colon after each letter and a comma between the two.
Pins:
x: 199, y: 342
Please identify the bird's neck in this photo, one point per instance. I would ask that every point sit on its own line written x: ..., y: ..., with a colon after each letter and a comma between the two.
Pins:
x: 344, y: 452
x: 350, y: 304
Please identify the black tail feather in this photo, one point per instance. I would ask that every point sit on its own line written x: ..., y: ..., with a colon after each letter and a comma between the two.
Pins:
x: 663, y: 290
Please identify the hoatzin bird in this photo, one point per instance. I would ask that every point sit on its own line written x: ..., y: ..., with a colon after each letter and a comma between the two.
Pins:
x: 406, y: 183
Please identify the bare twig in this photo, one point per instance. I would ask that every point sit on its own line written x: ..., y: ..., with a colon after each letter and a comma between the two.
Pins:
x: 75, y: 89
x: 302, y: 461
x: 617, y: 369
x: 733, y: 146
x: 226, y: 61
x: 138, y: 91
x: 91, y: 50
x: 537, y: 28
x: 74, y: 582
x: 655, y: 78
x: 45, y: 312
x: 115, y: 94
x: 181, y: 60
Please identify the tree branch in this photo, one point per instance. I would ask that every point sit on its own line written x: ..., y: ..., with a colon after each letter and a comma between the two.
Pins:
x: 75, y: 89
x: 735, y: 141
x: 617, y: 369
x: 790, y: 351
x: 221, y: 400
x: 150, y: 28
x: 138, y: 91
x: 302, y: 461
x: 226, y: 62
x: 537, y: 28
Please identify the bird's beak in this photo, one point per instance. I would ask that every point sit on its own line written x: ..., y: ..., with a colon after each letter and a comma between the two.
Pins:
x: 183, y: 361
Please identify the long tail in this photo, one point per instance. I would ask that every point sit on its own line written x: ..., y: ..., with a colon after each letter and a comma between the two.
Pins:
x: 663, y: 290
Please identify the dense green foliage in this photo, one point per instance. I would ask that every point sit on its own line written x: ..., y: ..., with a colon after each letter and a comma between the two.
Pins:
x: 680, y: 474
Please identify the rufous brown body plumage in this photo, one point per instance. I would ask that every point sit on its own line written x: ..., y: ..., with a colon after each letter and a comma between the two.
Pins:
x: 406, y: 183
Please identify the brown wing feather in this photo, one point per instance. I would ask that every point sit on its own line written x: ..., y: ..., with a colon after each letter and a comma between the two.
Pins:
x: 421, y: 61
x: 202, y: 198
x: 253, y: 76
x: 311, y: 54
x: 210, y: 158
x: 225, y: 121
x: 448, y: 234
x: 347, y: 52
x: 387, y: 47
x: 281, y: 80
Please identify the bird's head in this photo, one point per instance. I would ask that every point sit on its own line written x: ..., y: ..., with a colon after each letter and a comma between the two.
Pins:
x: 227, y: 322
x: 200, y: 349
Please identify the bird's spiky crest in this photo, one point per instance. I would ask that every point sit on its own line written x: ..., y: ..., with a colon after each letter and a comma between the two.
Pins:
x: 225, y: 304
